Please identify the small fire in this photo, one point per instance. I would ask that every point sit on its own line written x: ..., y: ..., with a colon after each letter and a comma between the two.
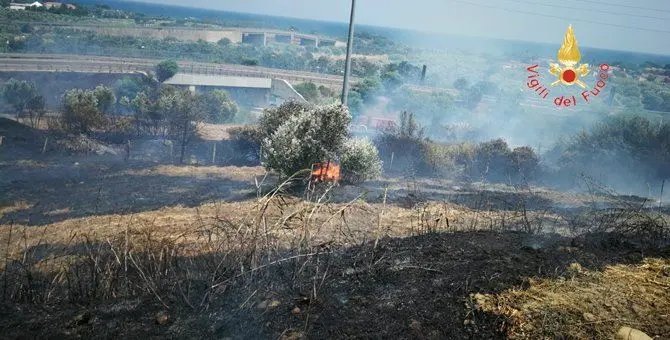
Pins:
x: 326, y: 171
x: 569, y: 54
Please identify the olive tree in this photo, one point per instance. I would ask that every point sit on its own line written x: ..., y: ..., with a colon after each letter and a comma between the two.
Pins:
x: 80, y: 111
x: 360, y: 161
x: 35, y: 107
x: 18, y: 93
x: 218, y: 106
x: 308, y: 137
x: 105, y: 97
x: 166, y: 69
x: 184, y: 114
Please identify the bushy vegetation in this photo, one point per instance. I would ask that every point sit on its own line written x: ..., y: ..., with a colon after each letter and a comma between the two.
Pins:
x: 316, y: 94
x: 294, y: 136
x: 166, y: 69
x: 305, y: 138
x: 81, y: 113
x: 69, y: 41
x: 360, y: 161
x: 632, y: 145
x: 23, y: 96
x: 155, y: 109
x: 403, y: 146
x: 246, y: 144
x: 406, y: 151
x: 219, y: 107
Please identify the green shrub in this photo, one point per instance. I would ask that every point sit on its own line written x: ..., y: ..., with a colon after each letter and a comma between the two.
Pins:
x: 448, y: 160
x: 622, y: 147
x: 246, y: 143
x: 403, y: 147
x: 405, y: 151
x: 523, y: 164
x: 218, y: 106
x: 305, y: 138
x: 166, y: 69
x: 490, y: 160
x: 274, y: 117
x: 309, y: 91
x: 359, y: 161
x: 81, y: 113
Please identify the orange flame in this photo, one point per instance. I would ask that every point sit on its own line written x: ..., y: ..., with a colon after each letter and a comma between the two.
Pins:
x: 326, y: 171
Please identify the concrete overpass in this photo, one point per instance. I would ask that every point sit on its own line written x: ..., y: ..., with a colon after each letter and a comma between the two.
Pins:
x: 248, y: 91
x: 256, y: 36
x: 18, y: 62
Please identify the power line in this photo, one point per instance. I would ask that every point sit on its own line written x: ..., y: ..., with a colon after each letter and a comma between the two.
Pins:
x: 629, y: 6
x: 593, y: 10
x: 560, y: 17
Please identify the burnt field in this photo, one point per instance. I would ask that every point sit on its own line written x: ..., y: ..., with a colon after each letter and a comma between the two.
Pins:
x: 95, y: 245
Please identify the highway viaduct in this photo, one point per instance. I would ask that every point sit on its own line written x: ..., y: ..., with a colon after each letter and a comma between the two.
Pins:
x: 256, y: 36
x: 18, y: 62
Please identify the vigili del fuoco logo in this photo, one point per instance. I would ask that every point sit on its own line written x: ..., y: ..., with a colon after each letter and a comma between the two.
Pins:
x: 566, y: 73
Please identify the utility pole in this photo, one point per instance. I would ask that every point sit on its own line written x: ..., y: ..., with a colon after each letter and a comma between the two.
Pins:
x: 347, y: 64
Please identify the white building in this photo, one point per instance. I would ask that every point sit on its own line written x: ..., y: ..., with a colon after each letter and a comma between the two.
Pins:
x: 17, y: 6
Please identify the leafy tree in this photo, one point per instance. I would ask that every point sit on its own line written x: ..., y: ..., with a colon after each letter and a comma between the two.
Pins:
x: 368, y: 88
x: 219, y: 108
x: 472, y: 98
x: 36, y: 110
x: 325, y: 92
x: 105, y: 98
x: 391, y: 80
x: 166, y: 69
x: 224, y: 42
x: 431, y: 107
x: 406, y: 142
x: 461, y: 84
x: 274, y: 117
x: 631, y: 144
x: 184, y: 113
x: 407, y: 71
x: 355, y: 103
x: 305, y: 138
x: 362, y: 67
x: 81, y: 113
x: 26, y: 28
x: 127, y: 87
x: 150, y: 118
x: 309, y: 91
x: 360, y: 161
x: 249, y: 62
x: 18, y: 92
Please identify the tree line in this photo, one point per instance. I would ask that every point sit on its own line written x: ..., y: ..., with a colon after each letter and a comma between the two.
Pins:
x: 139, y: 106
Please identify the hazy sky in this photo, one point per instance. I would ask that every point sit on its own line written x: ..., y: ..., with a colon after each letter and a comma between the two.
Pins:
x: 498, y: 19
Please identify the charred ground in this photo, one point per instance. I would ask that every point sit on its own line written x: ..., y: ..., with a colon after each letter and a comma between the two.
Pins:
x: 147, y: 248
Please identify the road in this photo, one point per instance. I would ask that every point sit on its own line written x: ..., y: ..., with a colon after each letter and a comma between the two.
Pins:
x: 96, y: 64
x: 103, y: 25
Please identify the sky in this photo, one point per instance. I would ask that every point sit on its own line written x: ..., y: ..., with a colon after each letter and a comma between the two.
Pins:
x: 609, y: 24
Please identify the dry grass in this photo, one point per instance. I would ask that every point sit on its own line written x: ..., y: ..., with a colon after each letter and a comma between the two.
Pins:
x: 216, y: 132
x: 195, y: 257
x: 342, y: 224
x: 27, y: 163
x: 587, y: 304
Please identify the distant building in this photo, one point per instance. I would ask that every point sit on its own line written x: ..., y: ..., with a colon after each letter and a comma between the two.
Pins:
x: 58, y: 5
x: 17, y: 6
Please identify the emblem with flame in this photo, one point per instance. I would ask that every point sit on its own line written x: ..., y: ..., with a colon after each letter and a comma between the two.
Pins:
x: 568, y: 57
